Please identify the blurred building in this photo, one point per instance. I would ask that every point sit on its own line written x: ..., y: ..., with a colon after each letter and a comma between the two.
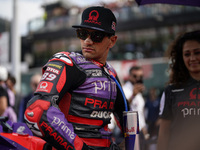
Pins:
x: 5, y: 26
x: 144, y: 32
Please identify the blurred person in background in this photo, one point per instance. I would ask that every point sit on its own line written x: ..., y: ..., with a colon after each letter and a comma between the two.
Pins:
x: 152, y: 106
x: 10, y: 91
x: 72, y: 105
x: 180, y: 107
x: 34, y: 81
x: 5, y: 107
x: 10, y: 82
x: 133, y: 90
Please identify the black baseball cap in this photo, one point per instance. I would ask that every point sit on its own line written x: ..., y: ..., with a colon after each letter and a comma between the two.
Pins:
x: 98, y: 18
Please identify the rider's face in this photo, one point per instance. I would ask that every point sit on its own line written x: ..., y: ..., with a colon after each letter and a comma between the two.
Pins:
x: 97, y: 51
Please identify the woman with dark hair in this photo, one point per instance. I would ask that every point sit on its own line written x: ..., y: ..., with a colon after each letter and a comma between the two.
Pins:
x: 180, y: 102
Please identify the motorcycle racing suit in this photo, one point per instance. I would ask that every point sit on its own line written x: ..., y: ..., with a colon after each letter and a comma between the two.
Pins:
x: 73, y: 102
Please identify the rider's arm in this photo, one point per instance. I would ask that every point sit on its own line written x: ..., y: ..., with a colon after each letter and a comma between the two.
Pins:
x: 119, y: 107
x: 43, y: 115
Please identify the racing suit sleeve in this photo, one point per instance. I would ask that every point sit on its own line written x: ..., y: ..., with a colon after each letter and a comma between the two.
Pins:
x: 43, y: 116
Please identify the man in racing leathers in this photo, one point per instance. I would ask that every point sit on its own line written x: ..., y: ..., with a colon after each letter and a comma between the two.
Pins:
x: 76, y: 95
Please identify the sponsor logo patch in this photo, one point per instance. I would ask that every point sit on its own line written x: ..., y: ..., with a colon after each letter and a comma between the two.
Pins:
x: 59, y: 139
x: 50, y: 69
x: 44, y: 87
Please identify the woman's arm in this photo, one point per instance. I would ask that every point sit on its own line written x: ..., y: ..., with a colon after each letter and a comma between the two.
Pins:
x: 3, y: 104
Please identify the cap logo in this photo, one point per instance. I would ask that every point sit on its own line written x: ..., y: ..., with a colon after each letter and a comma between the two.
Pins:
x: 93, y: 16
x: 113, y: 25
